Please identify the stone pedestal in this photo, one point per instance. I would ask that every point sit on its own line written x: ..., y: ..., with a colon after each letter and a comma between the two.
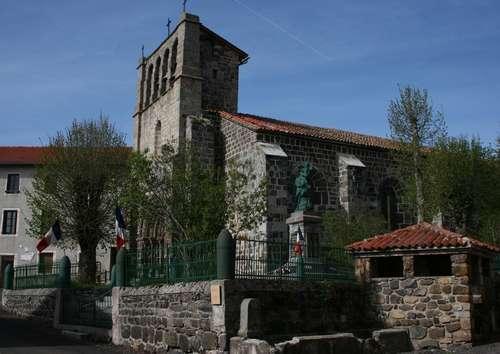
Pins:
x: 310, y: 225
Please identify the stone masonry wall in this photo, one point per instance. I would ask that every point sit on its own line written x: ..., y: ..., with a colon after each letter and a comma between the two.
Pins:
x: 171, y: 317
x: 437, y: 310
x: 293, y: 307
x: 38, y: 304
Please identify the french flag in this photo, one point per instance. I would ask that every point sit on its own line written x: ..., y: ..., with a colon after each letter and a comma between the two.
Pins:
x: 120, y: 228
x: 297, y: 248
x: 52, y: 236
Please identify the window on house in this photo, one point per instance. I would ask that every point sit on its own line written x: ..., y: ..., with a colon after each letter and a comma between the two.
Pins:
x: 9, y: 222
x: 45, y: 263
x: 432, y: 265
x: 387, y: 267
x: 12, y: 183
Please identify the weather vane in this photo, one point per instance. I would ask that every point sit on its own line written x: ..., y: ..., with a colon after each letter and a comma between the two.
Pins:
x: 168, y: 25
x: 142, y: 51
x: 184, y: 5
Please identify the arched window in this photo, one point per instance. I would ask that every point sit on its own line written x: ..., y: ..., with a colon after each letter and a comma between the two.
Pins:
x: 157, y: 146
x: 164, y: 71
x: 156, y: 86
x: 319, y: 189
x: 173, y: 62
x: 148, y: 84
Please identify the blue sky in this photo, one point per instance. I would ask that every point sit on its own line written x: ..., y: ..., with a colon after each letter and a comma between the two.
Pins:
x: 321, y: 62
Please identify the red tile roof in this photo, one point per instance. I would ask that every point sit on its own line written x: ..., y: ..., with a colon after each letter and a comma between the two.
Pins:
x: 262, y: 124
x: 21, y: 155
x: 417, y: 237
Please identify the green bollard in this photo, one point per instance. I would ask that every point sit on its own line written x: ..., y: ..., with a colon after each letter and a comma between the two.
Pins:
x: 64, y: 280
x: 8, y: 277
x: 113, y: 275
x: 226, y: 254
x: 120, y: 267
x: 300, y: 267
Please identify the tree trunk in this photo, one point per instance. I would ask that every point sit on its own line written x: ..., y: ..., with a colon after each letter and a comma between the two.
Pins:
x: 418, y: 187
x: 87, y: 264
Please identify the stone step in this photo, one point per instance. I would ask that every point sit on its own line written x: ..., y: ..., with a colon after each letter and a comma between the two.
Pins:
x: 75, y: 334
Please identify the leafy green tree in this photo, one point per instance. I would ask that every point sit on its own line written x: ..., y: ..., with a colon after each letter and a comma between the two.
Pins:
x: 341, y: 228
x: 175, y: 193
x: 462, y: 184
x: 416, y: 125
x: 78, y: 183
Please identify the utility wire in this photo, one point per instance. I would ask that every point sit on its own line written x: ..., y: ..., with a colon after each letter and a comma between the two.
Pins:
x: 284, y: 30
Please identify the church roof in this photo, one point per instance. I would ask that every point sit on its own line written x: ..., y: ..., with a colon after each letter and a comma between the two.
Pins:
x: 423, y: 236
x: 263, y: 124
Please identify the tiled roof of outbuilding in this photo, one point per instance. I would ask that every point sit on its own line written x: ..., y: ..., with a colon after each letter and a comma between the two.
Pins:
x: 279, y: 126
x: 21, y: 155
x: 418, y: 237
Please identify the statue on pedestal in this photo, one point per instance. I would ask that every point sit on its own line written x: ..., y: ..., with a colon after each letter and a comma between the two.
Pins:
x: 302, y: 188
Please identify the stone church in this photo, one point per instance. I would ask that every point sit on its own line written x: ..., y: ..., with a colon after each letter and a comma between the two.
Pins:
x: 188, y: 91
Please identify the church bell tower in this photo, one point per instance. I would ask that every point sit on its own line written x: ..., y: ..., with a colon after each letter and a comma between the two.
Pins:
x: 192, y: 70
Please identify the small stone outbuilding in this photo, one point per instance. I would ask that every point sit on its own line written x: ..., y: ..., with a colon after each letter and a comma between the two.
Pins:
x: 437, y: 283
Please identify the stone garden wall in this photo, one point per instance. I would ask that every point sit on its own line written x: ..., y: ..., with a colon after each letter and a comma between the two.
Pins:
x: 37, y: 304
x: 171, y: 317
x: 437, y: 310
x: 290, y: 308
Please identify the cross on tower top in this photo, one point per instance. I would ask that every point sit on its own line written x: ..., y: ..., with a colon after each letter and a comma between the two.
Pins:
x: 168, y: 25
x: 184, y: 5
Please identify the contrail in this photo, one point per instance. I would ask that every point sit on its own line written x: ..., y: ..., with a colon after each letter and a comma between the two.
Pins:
x: 284, y: 30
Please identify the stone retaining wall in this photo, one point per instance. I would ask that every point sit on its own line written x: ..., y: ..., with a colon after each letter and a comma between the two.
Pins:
x: 437, y: 310
x: 295, y: 307
x: 168, y: 318
x: 38, y: 304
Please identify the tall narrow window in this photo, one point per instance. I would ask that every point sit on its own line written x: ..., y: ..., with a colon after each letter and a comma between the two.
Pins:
x: 164, y: 71
x: 157, y: 147
x: 9, y: 222
x: 12, y: 183
x: 148, y: 84
x: 156, y: 85
x: 173, y: 62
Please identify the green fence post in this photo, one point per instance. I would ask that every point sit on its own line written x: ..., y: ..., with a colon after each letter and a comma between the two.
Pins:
x: 226, y: 254
x: 120, y: 267
x: 300, y: 267
x: 113, y: 275
x: 65, y: 272
x: 8, y: 277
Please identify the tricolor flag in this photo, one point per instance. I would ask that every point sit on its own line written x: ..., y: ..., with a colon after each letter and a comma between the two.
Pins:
x: 297, y: 248
x: 52, y: 236
x: 119, y: 228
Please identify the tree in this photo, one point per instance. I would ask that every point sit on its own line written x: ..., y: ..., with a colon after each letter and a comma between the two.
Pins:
x: 342, y: 228
x: 175, y: 193
x: 415, y: 125
x: 462, y: 185
x: 78, y: 183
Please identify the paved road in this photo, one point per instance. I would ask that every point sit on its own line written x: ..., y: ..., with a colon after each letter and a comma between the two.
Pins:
x: 27, y: 337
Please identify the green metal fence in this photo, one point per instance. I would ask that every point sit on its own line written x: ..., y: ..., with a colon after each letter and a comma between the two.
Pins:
x: 266, y: 259
x: 34, y: 276
x: 254, y: 259
x: 179, y: 262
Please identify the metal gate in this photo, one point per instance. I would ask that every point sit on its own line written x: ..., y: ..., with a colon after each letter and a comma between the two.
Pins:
x: 87, y: 307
